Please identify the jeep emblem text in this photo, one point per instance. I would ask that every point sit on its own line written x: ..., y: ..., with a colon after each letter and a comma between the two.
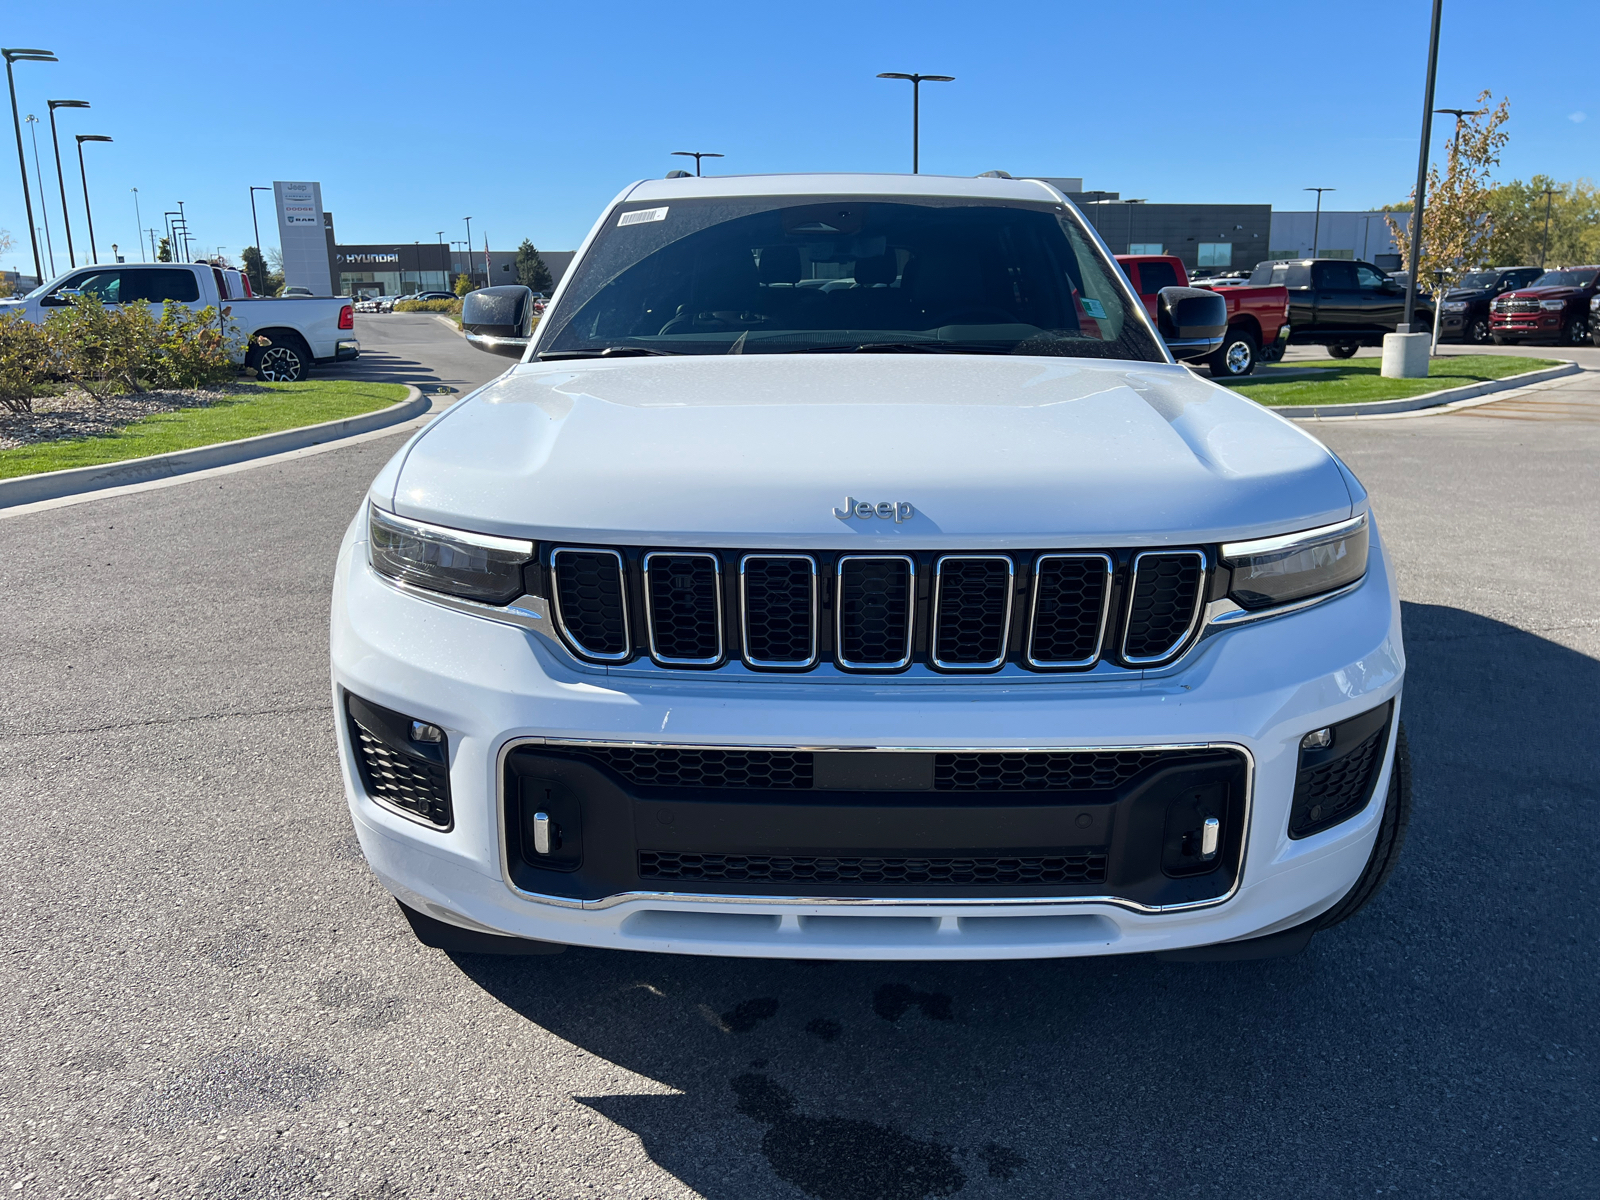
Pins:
x: 900, y: 510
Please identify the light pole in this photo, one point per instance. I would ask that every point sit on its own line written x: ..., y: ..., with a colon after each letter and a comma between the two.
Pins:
x: 187, y: 253
x: 697, y: 155
x: 138, y: 218
x: 1545, y: 248
x: 171, y: 237
x: 1422, y: 168
x: 61, y: 176
x: 16, y: 56
x: 466, y: 258
x: 1458, y: 113
x: 261, y: 255
x: 916, y: 106
x: 44, y: 209
x: 1316, y: 223
x: 442, y: 255
x: 87, y: 211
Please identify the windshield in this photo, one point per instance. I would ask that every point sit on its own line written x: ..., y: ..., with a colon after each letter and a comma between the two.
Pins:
x: 1474, y: 280
x: 766, y: 275
x: 1580, y: 279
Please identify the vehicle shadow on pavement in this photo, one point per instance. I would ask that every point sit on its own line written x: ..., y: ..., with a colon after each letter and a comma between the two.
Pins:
x: 1436, y: 1041
x: 378, y: 366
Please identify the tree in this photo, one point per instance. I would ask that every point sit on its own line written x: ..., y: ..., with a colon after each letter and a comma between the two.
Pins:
x: 262, y: 277
x: 164, y: 251
x: 1455, y: 220
x: 5, y: 245
x: 463, y: 285
x: 1517, y: 213
x: 531, y: 271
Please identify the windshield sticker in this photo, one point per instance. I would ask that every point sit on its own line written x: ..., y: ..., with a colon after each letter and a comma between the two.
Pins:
x: 640, y: 216
x: 1093, y: 307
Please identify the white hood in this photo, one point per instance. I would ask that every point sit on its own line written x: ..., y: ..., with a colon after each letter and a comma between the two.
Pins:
x: 759, y: 451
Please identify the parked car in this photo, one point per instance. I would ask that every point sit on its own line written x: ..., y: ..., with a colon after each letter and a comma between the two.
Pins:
x: 431, y: 296
x: 368, y: 304
x: 298, y: 332
x: 941, y: 617
x: 1340, y: 303
x: 296, y: 292
x: 1553, y: 308
x: 1258, y: 317
x: 1464, y: 314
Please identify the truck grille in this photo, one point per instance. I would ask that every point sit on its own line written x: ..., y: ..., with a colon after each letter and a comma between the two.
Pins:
x: 957, y: 612
x: 1080, y: 867
x: 1509, y: 304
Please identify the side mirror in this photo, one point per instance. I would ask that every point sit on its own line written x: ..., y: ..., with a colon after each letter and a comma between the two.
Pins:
x: 498, y: 320
x: 1192, y: 321
x: 60, y: 298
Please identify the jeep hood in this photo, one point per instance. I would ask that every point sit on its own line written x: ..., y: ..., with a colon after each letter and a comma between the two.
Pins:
x: 761, y: 450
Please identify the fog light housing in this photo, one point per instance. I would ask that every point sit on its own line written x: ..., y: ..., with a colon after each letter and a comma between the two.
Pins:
x: 1317, y: 739
x: 421, y: 731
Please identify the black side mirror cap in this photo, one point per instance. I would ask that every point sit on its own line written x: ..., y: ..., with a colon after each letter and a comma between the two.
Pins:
x: 1192, y: 321
x: 498, y: 320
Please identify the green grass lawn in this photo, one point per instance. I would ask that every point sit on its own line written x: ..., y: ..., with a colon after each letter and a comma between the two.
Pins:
x: 281, y: 406
x: 1355, y: 380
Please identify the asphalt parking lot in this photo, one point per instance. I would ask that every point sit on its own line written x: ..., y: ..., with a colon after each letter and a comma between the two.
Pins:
x: 206, y: 993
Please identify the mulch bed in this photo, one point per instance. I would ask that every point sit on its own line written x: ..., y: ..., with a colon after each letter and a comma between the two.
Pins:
x: 76, y: 414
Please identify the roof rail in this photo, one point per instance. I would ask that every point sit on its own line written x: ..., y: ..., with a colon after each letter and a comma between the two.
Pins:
x: 994, y: 175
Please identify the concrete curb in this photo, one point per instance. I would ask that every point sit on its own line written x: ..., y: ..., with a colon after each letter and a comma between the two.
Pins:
x: 27, y: 489
x: 1429, y: 400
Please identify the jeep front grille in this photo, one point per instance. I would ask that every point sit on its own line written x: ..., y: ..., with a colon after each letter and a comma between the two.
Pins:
x: 950, y: 612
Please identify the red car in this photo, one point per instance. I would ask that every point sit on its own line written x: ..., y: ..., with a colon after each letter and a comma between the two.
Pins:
x: 1553, y: 308
x: 1258, y: 317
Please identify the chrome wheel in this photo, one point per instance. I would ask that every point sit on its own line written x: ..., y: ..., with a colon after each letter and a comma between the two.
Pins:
x: 1240, y: 358
x: 280, y: 364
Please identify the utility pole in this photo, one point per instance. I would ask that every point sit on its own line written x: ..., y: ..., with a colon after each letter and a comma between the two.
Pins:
x: 1316, y: 224
x: 916, y: 107
x: 1422, y: 168
x: 1545, y: 248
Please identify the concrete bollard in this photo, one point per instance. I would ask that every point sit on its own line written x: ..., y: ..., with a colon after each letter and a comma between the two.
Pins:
x: 1405, y: 355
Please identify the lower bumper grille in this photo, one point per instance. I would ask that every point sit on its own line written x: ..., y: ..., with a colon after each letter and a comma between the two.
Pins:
x: 1335, y: 784
x: 1089, y: 867
x: 411, y: 777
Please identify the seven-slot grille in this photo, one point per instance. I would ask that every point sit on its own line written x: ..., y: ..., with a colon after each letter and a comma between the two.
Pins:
x: 954, y: 612
x: 1516, y: 304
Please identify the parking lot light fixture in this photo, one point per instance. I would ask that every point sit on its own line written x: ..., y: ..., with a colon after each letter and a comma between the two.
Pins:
x: 44, y: 209
x: 261, y: 255
x: 16, y: 56
x: 1422, y: 168
x: 697, y: 155
x: 87, y: 211
x: 466, y: 258
x: 61, y: 177
x: 916, y: 107
x: 1316, y: 223
x: 1544, y: 248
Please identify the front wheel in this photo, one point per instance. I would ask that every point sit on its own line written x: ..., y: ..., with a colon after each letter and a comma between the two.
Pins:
x: 1478, y: 332
x: 1236, y: 357
x: 1391, y: 837
x: 1343, y: 350
x: 1576, y: 332
x: 280, y: 362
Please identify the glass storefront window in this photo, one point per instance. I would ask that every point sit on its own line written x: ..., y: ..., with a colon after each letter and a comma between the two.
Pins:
x: 1215, y: 254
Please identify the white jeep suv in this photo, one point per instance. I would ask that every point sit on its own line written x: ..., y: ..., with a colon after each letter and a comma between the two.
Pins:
x: 848, y: 570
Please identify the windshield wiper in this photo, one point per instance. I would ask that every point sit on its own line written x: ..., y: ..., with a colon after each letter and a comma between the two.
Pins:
x: 906, y: 348
x: 602, y: 352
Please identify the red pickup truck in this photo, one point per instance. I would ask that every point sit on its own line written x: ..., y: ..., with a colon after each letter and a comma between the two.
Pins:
x: 1258, y: 317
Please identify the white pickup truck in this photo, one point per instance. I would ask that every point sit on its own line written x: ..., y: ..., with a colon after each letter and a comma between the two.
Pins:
x: 298, y: 331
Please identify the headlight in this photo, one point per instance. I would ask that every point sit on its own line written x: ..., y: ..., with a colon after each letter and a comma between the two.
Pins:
x: 1455, y: 306
x: 1282, y: 569
x: 475, y: 565
x: 1552, y: 305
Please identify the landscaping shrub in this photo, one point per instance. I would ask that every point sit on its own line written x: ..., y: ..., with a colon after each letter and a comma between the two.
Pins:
x: 194, y: 349
x: 103, y: 350
x: 435, y: 306
x: 27, y: 361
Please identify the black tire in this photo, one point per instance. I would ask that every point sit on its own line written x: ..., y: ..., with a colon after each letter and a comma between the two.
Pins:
x: 285, y: 360
x: 1576, y: 332
x: 1391, y: 837
x: 1478, y: 331
x: 1236, y: 357
x: 1343, y: 350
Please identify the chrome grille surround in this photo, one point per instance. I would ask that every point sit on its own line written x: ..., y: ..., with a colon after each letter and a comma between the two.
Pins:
x: 561, y: 622
x: 939, y: 614
x: 762, y: 664
x: 1172, y: 650
x: 909, y: 617
x: 1033, y: 615
x: 650, y: 607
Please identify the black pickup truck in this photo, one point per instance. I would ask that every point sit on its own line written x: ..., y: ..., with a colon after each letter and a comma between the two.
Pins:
x: 1466, y: 306
x: 1340, y: 304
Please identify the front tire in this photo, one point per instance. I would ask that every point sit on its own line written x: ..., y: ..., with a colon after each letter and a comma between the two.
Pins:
x: 1391, y: 837
x: 1576, y: 332
x: 284, y: 361
x: 1343, y: 350
x: 1478, y: 332
x: 1237, y: 356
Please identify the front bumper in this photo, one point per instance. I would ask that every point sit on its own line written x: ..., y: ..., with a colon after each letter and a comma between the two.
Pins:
x: 1255, y: 690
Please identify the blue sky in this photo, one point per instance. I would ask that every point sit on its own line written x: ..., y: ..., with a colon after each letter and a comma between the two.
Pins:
x: 529, y: 118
